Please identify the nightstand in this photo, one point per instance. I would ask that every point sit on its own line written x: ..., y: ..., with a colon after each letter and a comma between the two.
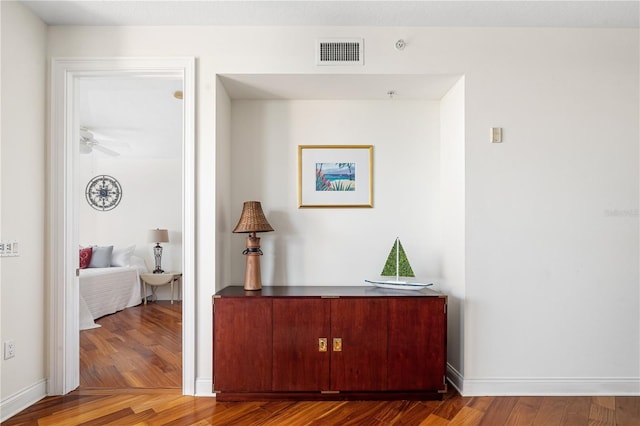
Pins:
x: 156, y: 280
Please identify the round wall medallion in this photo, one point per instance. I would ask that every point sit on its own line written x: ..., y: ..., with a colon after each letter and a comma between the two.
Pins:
x: 103, y: 193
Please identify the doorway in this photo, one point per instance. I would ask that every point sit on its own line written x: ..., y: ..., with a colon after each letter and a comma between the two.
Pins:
x: 131, y: 149
x: 64, y: 201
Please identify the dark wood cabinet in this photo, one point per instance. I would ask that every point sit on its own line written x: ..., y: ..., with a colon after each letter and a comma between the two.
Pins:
x: 328, y: 343
x: 360, y: 324
x: 416, y: 342
x: 242, y: 345
x: 298, y: 362
x: 348, y: 338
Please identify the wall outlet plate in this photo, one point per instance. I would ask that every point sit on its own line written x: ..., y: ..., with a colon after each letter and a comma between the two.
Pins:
x: 9, y: 349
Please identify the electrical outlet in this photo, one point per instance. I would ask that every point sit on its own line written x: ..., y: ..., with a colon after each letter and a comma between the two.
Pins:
x: 9, y: 349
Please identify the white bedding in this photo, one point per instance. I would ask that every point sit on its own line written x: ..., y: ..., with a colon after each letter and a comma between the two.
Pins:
x: 104, y: 291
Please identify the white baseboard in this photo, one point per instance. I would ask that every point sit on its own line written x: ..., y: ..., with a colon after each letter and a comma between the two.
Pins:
x: 455, y: 378
x: 204, y: 387
x: 15, y: 403
x: 562, y: 386
x: 550, y: 386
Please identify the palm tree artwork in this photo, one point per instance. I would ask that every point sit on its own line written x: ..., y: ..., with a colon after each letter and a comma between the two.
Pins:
x: 335, y: 176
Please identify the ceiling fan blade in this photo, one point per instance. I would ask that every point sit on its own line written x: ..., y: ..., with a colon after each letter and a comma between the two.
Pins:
x: 85, y: 133
x: 112, y: 133
x: 106, y: 150
x: 114, y: 143
x: 89, y: 141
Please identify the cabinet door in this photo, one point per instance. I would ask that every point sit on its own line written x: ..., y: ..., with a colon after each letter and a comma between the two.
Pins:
x: 242, y: 345
x: 417, y: 343
x: 361, y: 362
x: 298, y: 362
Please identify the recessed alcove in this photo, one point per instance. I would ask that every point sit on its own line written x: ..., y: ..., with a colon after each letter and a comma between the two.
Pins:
x: 337, y: 86
x: 418, y: 177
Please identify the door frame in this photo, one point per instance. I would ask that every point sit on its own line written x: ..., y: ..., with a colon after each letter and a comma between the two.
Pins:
x: 63, y: 201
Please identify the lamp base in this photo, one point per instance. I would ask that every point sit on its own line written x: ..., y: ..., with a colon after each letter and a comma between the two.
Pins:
x: 252, y: 275
x: 157, y: 254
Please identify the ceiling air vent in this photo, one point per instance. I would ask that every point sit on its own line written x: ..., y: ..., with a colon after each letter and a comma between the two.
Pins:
x: 343, y: 51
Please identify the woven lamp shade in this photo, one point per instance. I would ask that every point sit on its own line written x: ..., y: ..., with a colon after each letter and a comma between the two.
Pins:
x: 252, y: 219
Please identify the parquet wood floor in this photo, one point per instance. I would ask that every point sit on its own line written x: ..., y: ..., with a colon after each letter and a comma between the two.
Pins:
x: 129, y: 407
x: 138, y: 347
x: 144, y: 403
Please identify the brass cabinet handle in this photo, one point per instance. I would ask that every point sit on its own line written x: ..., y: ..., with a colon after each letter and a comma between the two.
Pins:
x: 337, y: 344
x: 322, y: 344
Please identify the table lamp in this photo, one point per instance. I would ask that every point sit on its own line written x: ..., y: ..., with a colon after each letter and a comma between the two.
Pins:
x: 252, y: 220
x: 158, y: 236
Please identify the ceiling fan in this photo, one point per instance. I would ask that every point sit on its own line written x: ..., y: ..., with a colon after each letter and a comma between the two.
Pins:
x: 88, y: 143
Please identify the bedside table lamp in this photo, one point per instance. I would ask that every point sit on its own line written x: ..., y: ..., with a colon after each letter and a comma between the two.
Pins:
x: 252, y: 220
x: 158, y: 236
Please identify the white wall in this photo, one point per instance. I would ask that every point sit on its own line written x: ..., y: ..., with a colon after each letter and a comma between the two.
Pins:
x: 22, y: 201
x: 552, y: 298
x: 337, y: 246
x: 551, y: 222
x: 151, y: 198
x: 452, y: 223
x: 222, y: 185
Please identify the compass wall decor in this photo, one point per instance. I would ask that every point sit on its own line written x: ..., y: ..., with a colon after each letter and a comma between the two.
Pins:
x: 103, y: 192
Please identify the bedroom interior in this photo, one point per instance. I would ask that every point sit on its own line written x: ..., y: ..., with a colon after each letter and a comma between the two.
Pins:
x: 130, y: 143
x: 536, y: 235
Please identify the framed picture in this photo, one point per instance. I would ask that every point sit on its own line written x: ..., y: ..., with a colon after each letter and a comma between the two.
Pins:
x: 335, y: 176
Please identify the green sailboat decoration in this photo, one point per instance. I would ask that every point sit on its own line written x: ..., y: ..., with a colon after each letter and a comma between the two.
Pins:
x: 397, y: 265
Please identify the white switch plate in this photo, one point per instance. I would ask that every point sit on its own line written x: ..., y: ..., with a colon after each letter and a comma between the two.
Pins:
x: 496, y: 135
x: 9, y: 248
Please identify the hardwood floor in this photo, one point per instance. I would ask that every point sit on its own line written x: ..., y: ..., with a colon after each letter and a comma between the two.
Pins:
x: 138, y: 383
x: 167, y: 407
x: 139, y: 347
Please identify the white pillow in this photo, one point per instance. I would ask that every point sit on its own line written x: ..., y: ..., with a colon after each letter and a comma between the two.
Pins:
x: 122, y: 256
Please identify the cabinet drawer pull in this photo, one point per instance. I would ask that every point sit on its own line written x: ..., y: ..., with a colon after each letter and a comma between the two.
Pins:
x: 322, y: 344
x: 337, y: 344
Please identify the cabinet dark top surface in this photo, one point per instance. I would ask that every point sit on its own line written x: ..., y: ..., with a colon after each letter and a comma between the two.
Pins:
x: 324, y: 291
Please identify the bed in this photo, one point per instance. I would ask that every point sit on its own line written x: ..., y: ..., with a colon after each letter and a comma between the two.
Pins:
x: 104, y: 291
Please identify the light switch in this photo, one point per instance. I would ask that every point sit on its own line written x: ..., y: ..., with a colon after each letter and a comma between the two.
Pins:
x: 9, y: 248
x: 496, y: 135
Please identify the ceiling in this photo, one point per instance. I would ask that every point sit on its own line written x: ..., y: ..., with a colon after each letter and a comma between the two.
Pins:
x: 138, y: 117
x: 425, y: 13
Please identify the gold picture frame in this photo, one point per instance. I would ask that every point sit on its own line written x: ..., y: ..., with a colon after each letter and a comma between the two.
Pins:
x: 335, y: 176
